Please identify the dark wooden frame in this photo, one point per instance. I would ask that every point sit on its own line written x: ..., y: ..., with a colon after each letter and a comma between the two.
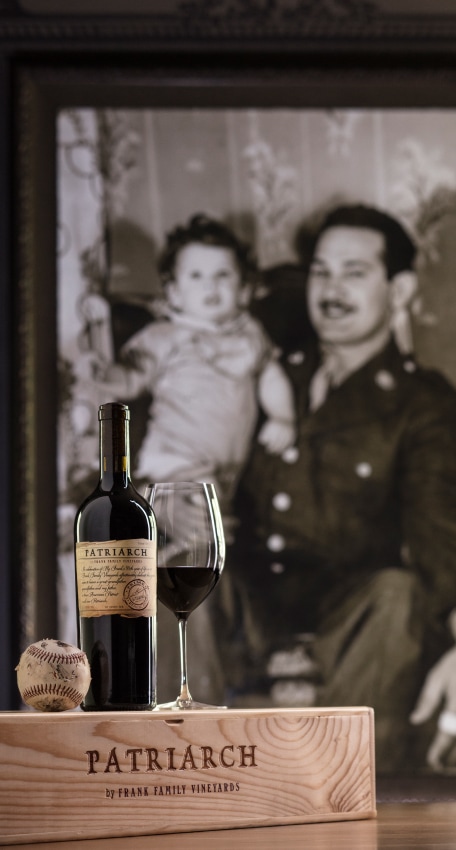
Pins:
x: 228, y: 52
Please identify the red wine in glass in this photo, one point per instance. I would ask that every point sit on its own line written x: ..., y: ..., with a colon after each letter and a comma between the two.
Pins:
x: 190, y: 558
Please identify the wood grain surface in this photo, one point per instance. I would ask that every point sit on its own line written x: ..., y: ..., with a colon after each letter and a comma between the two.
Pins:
x: 399, y: 826
x: 75, y: 775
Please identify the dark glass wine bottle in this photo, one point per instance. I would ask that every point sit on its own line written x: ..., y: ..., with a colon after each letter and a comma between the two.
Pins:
x: 115, y: 554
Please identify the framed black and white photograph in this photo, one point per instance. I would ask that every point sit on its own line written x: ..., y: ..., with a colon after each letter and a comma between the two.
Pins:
x: 336, y: 492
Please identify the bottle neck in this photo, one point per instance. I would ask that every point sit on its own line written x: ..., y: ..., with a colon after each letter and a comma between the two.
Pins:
x: 114, y: 453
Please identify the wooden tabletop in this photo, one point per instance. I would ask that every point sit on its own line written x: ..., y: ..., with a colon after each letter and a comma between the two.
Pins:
x: 415, y: 826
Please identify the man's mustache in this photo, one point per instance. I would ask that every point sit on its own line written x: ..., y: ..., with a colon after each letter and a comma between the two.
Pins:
x: 329, y: 305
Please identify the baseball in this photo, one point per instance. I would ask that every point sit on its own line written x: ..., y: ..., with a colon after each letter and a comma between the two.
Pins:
x: 53, y: 676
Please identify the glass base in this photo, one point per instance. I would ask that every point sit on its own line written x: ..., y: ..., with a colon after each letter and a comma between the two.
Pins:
x: 187, y: 705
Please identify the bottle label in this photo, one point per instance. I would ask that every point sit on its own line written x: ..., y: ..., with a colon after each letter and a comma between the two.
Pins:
x: 117, y: 577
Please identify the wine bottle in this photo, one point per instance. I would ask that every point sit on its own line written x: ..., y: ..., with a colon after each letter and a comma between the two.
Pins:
x: 116, y: 577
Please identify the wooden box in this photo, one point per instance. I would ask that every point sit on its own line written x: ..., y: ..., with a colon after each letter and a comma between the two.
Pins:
x: 76, y: 775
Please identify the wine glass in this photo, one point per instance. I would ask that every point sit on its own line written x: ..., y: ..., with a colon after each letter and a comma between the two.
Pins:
x: 190, y: 558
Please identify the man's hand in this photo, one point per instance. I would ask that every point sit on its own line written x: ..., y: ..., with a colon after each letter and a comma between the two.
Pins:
x: 439, y: 689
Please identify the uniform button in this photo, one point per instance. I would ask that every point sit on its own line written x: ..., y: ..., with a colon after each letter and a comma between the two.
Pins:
x: 277, y: 568
x: 363, y: 470
x: 275, y: 543
x: 295, y: 358
x: 385, y: 380
x: 409, y: 366
x: 281, y: 501
x: 291, y: 454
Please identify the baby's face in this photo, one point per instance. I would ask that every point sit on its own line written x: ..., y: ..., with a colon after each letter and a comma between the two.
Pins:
x: 207, y: 283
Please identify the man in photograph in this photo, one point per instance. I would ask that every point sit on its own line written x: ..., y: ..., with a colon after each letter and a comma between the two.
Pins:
x: 350, y: 535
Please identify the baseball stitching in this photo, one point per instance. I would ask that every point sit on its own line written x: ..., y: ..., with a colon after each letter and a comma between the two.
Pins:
x: 55, y: 657
x: 53, y: 690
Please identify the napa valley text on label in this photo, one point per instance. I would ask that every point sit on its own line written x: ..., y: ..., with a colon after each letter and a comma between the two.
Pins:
x: 117, y: 577
x: 150, y: 759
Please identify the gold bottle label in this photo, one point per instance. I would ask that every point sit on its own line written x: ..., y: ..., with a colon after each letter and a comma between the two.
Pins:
x: 117, y: 577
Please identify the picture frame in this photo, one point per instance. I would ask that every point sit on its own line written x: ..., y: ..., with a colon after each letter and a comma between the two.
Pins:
x: 351, y: 54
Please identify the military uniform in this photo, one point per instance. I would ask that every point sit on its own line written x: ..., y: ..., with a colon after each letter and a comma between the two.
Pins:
x: 355, y: 524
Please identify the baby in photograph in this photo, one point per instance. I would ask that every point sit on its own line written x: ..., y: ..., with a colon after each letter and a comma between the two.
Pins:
x: 207, y: 362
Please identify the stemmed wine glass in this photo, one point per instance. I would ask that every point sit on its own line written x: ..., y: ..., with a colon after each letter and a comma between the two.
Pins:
x: 190, y: 558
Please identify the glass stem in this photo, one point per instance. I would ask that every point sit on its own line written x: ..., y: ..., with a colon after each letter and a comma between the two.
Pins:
x: 185, y: 695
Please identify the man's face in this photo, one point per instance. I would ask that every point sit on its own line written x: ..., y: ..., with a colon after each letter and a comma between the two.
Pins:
x: 348, y: 291
x: 207, y: 283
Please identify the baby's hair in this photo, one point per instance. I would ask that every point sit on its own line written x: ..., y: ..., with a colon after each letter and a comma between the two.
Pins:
x: 206, y: 231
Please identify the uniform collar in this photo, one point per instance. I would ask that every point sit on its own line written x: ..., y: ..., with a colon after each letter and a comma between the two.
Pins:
x: 371, y: 392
